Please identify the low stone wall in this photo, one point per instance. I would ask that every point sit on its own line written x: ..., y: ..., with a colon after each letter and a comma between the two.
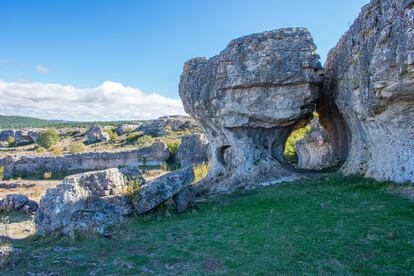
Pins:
x: 22, y: 166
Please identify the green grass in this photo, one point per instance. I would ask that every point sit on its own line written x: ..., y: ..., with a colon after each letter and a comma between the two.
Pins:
x: 340, y: 226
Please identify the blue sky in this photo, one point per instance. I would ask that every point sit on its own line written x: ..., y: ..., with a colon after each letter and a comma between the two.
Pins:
x: 143, y: 44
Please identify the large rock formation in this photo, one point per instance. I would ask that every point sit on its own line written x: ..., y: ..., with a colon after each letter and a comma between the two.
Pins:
x: 17, y: 166
x: 248, y: 99
x: 194, y: 149
x: 89, y: 202
x: 367, y: 105
x: 314, y: 151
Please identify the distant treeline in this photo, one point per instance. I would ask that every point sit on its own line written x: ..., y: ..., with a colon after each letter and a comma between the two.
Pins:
x: 18, y: 122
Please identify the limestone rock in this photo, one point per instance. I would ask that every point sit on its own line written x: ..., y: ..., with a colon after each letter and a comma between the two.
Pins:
x: 125, y: 129
x: 247, y: 100
x: 17, y: 202
x: 16, y: 166
x: 184, y: 200
x: 20, y: 137
x: 314, y: 150
x: 83, y: 203
x: 367, y: 104
x: 133, y: 174
x: 160, y: 189
x: 161, y: 126
x: 194, y: 149
x: 96, y: 134
x: 6, y: 134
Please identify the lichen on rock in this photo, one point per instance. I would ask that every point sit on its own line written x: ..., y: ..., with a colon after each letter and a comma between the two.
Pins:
x: 248, y: 99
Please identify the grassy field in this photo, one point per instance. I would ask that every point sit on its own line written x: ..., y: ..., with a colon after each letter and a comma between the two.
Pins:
x: 342, y: 226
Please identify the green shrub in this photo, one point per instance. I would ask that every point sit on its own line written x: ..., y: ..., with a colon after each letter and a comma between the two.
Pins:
x: 173, y: 145
x: 133, y: 137
x: 40, y: 149
x: 290, y: 146
x: 11, y: 142
x: 200, y: 171
x: 57, y: 151
x: 146, y: 139
x: 1, y: 172
x: 77, y: 147
x: 48, y: 139
x: 111, y: 134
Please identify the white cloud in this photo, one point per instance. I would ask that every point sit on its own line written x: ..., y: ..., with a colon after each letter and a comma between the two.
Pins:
x: 108, y: 101
x: 42, y: 69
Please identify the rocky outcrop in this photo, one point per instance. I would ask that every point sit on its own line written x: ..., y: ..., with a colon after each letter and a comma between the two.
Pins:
x: 248, y: 99
x: 84, y: 203
x: 97, y: 134
x: 17, y: 202
x: 20, y: 137
x: 17, y: 166
x: 194, y: 149
x: 314, y: 151
x: 125, y: 129
x: 367, y: 104
x: 95, y: 202
x: 161, y: 126
x: 159, y: 190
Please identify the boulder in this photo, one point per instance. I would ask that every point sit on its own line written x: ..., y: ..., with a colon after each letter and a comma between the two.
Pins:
x: 248, y: 99
x: 314, y: 151
x: 184, y: 200
x: 125, y: 129
x: 160, y: 189
x: 17, y: 202
x: 6, y: 134
x: 367, y: 104
x: 96, y: 134
x: 21, y: 137
x: 161, y: 126
x: 193, y: 149
x: 91, y: 202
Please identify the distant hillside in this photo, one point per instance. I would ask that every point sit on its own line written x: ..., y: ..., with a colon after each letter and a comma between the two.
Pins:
x: 17, y: 122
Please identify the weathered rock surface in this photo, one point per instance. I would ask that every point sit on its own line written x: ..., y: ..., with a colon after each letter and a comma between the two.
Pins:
x: 194, y: 149
x: 159, y: 190
x: 90, y: 202
x: 248, y: 99
x: 367, y: 104
x: 314, y: 151
x: 161, y: 126
x: 17, y: 202
x: 133, y: 174
x: 96, y: 134
x: 125, y: 129
x: 16, y: 166
x: 20, y: 137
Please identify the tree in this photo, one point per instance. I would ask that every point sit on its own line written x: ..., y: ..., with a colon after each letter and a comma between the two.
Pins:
x: 48, y: 138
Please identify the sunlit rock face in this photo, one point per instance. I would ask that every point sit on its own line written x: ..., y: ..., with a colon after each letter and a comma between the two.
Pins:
x: 314, y: 151
x: 248, y: 99
x: 370, y: 81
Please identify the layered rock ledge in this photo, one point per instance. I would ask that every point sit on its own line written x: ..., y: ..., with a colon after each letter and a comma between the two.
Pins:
x: 16, y: 166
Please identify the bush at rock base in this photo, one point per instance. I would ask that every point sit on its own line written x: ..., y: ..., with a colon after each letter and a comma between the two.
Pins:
x: 48, y: 138
x: 77, y: 147
x: 200, y: 171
